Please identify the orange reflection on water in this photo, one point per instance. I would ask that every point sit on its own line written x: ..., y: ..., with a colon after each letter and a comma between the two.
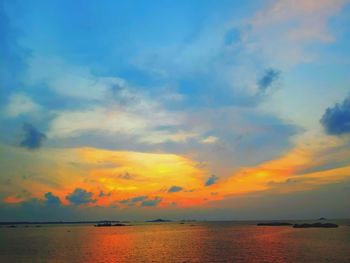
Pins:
x: 109, y: 244
x: 272, y: 244
x: 185, y: 243
x: 174, y: 242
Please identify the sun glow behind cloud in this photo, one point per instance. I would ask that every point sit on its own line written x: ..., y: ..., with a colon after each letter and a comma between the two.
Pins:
x: 121, y: 174
x: 125, y: 175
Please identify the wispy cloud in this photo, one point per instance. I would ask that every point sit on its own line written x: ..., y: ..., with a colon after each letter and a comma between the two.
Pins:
x: 294, y: 26
x: 175, y: 189
x: 150, y: 203
x: 21, y: 104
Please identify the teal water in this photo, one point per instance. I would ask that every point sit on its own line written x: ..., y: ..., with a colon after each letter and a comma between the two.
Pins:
x: 174, y: 242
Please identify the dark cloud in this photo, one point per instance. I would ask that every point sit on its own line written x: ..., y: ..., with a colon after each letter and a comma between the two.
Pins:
x: 52, y: 199
x: 269, y: 77
x: 175, y: 189
x: 336, y: 120
x: 32, y: 138
x: 211, y: 180
x: 134, y: 200
x: 138, y: 199
x: 80, y: 196
x: 153, y: 202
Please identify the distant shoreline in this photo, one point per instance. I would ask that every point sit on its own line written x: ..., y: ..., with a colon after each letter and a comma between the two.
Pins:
x: 2, y: 223
x: 56, y: 222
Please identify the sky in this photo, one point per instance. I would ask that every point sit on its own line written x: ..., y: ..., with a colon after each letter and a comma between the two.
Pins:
x: 134, y: 110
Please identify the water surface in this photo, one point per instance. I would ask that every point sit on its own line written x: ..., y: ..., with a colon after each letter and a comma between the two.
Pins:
x: 174, y: 242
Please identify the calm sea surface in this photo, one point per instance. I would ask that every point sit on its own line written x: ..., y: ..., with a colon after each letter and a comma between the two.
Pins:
x: 174, y: 242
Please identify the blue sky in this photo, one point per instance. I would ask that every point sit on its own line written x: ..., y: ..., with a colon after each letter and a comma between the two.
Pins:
x: 249, y: 96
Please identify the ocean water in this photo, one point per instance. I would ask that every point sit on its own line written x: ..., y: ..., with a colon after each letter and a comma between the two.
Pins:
x: 174, y: 242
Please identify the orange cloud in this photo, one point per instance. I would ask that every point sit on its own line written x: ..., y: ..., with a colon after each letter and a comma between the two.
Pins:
x: 149, y: 174
x: 119, y: 175
x: 113, y: 176
x: 299, y: 169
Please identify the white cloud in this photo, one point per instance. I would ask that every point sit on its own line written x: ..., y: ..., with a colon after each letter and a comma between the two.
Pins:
x: 70, y: 80
x: 113, y: 106
x: 280, y: 35
x: 20, y: 104
x: 144, y: 125
x: 283, y: 30
x: 163, y: 136
x: 209, y: 140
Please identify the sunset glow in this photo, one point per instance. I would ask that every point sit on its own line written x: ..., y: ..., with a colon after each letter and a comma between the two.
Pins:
x: 184, y: 109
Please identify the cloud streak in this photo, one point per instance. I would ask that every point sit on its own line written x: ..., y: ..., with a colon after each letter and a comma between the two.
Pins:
x: 175, y: 189
x: 21, y: 104
x: 151, y: 203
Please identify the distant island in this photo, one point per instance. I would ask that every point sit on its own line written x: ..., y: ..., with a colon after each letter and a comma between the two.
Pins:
x: 325, y: 225
x: 275, y: 224
x: 159, y: 220
x: 109, y: 224
x: 304, y: 225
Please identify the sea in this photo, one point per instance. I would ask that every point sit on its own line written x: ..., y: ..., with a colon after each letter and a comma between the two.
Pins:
x: 228, y: 241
